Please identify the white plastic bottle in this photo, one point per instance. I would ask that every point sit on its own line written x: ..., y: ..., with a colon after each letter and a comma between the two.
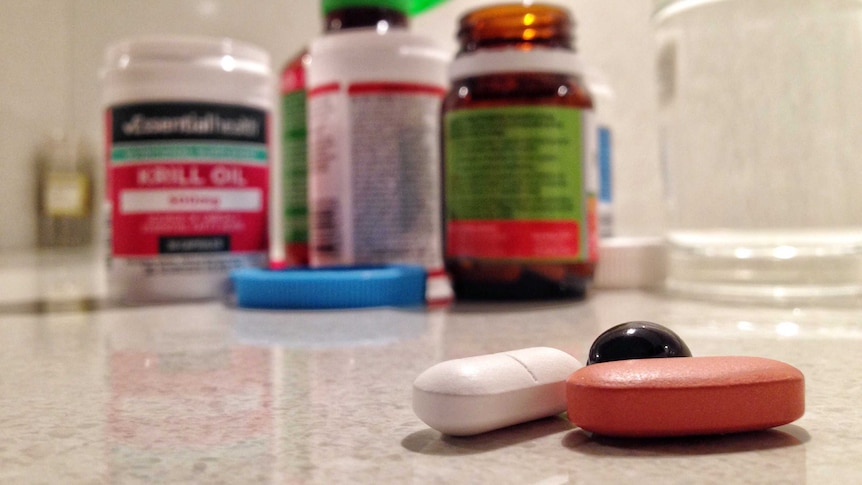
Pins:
x: 374, y: 99
x: 188, y: 148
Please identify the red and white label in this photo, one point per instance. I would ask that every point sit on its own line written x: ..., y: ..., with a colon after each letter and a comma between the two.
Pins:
x: 186, y: 178
x: 513, y: 239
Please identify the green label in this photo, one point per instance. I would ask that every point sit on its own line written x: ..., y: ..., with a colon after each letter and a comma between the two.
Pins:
x: 188, y: 151
x: 515, y: 163
x: 295, y: 167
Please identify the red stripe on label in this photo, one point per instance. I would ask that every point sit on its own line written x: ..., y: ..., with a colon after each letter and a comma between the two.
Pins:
x: 436, y: 272
x: 324, y: 89
x: 178, y: 174
x: 390, y: 88
x: 513, y: 239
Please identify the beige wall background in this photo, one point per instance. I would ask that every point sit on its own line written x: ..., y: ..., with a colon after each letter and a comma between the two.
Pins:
x: 51, y: 51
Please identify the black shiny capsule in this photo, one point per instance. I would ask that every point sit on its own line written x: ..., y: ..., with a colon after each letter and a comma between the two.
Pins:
x: 637, y: 340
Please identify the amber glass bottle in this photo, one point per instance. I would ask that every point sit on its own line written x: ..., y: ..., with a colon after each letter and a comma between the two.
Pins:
x: 339, y: 15
x: 520, y: 204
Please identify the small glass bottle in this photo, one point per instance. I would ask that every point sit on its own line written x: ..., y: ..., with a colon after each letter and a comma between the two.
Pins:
x: 339, y: 15
x: 520, y: 181
x: 65, y: 165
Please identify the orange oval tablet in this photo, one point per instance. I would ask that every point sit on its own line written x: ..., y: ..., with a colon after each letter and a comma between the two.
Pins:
x: 684, y: 396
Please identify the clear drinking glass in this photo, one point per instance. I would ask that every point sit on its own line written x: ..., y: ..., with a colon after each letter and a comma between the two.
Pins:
x: 760, y: 109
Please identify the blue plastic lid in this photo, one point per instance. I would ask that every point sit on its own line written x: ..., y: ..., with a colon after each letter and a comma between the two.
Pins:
x: 348, y: 287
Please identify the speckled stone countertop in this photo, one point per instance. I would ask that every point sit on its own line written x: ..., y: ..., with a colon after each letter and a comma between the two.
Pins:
x: 92, y: 392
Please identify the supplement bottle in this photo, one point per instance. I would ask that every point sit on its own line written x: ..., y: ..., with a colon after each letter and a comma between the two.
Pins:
x: 520, y: 202
x: 374, y: 101
x: 187, y: 164
x: 65, y: 164
x: 338, y: 15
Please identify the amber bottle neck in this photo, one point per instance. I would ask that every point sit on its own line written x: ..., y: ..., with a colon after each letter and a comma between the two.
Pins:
x: 364, y: 17
x: 517, y: 26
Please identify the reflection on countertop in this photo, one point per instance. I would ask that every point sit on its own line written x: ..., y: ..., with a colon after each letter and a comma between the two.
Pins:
x: 52, y: 280
x: 205, y: 392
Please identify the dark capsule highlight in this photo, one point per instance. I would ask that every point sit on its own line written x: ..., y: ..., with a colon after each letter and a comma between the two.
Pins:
x: 637, y: 340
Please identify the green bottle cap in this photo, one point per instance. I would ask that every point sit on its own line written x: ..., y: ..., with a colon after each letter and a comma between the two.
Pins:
x: 419, y: 6
x: 410, y: 7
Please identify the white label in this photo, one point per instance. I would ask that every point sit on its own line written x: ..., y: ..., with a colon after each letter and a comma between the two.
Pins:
x: 375, y: 175
x: 144, y: 201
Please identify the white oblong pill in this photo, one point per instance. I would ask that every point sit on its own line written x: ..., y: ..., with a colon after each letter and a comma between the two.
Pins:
x: 473, y: 395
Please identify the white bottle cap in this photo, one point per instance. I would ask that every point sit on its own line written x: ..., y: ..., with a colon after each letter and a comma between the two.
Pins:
x: 630, y: 262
